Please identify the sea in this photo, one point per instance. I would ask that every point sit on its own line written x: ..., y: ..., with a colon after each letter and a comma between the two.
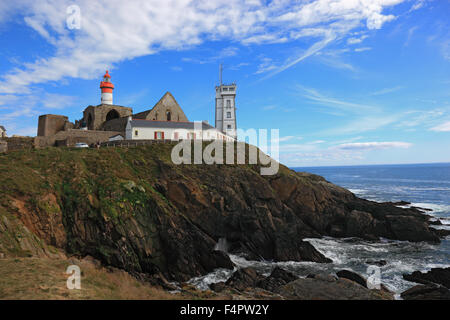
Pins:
x: 423, y: 185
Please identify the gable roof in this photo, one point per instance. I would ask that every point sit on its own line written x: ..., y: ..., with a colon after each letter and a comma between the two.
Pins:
x: 166, y: 100
x: 3, y: 128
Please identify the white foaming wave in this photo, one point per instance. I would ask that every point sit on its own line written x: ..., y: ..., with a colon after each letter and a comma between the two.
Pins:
x: 358, y: 191
x: 218, y: 275
x: 242, y: 262
x: 329, y: 248
x: 265, y: 267
x: 339, y: 248
x: 347, y: 253
x: 410, y: 188
x: 433, y: 206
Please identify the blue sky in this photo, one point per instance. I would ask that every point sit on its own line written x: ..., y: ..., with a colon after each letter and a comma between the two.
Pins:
x: 345, y: 82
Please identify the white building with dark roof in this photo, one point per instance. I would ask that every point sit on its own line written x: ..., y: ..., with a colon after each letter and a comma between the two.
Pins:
x: 140, y: 129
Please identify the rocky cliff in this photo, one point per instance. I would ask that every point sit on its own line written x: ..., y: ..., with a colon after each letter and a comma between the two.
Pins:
x: 136, y: 210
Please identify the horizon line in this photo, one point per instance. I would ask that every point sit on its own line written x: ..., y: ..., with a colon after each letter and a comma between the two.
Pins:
x: 377, y: 164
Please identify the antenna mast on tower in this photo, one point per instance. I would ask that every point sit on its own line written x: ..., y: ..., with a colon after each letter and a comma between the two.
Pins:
x: 220, y: 74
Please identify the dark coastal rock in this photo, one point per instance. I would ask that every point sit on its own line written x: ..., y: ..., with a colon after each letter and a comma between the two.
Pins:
x: 353, y: 276
x: 410, y: 228
x: 315, y: 286
x: 421, y: 209
x: 322, y: 276
x: 134, y: 209
x: 219, y: 259
x: 399, y: 203
x: 378, y: 263
x: 426, y: 292
x: 218, y: 286
x: 277, y: 278
x: 244, y: 278
x: 330, y: 289
x: 436, y: 222
x: 248, y: 278
x: 439, y: 276
x: 442, y: 233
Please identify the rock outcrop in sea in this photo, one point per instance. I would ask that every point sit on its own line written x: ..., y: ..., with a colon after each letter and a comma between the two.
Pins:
x: 434, y: 285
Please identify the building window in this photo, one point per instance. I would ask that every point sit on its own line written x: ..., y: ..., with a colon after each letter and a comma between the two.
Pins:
x: 228, y: 115
x: 168, y: 116
x: 136, y: 133
x: 175, y: 136
x: 159, y: 135
x: 228, y: 103
x: 225, y: 89
x: 229, y: 126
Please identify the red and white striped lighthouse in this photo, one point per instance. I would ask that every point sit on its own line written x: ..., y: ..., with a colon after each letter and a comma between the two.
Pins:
x: 107, y: 89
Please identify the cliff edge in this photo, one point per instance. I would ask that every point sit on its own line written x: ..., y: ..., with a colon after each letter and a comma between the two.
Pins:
x: 133, y: 209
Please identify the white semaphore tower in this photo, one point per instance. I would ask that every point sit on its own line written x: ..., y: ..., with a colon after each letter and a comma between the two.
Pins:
x: 107, y: 89
x: 226, y: 107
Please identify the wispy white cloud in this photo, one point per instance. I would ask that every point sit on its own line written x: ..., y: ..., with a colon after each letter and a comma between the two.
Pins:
x: 26, y: 131
x: 443, y: 127
x: 333, y: 58
x: 317, y: 141
x: 239, y: 66
x: 56, y: 101
x: 310, y: 154
x: 316, y: 47
x: 331, y: 102
x: 269, y: 107
x: 386, y: 90
x: 362, y: 49
x: 373, y: 145
x: 417, y: 5
x: 354, y: 40
x: 421, y: 118
x: 265, y: 38
x: 410, y: 35
x: 314, y: 158
x: 265, y: 65
x: 363, y: 124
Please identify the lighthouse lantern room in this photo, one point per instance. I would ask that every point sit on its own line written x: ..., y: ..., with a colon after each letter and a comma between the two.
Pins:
x: 107, y: 89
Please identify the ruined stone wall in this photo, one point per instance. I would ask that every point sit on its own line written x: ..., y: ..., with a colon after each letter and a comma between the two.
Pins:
x: 16, y: 143
x: 72, y: 136
x: 119, y: 124
x: 3, y: 146
x: 96, y: 116
x: 50, y: 124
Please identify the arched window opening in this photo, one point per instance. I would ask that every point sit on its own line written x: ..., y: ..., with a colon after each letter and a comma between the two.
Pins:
x: 89, y: 122
x: 113, y: 114
x: 168, y: 115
